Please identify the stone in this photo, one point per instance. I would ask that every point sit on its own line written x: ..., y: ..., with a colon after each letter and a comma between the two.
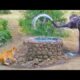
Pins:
x: 45, y: 57
x: 40, y: 60
x: 50, y: 53
x: 39, y: 53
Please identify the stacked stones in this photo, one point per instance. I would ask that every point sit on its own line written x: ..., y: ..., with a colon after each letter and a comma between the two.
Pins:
x: 43, y: 50
x: 40, y: 53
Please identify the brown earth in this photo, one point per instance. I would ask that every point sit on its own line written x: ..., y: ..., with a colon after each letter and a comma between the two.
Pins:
x: 72, y: 43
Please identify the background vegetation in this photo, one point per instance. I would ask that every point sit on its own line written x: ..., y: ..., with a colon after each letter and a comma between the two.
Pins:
x: 5, y: 11
x: 4, y: 32
x: 45, y: 30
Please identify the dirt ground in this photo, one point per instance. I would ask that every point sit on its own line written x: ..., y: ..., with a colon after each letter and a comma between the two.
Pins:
x: 70, y: 43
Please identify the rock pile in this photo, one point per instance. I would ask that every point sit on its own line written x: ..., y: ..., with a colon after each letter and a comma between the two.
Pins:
x: 33, y: 54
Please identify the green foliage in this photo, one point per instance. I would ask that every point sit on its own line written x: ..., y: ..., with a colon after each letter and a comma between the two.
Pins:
x: 4, y: 36
x: 4, y: 11
x: 44, y: 30
x: 3, y: 24
x: 4, y: 32
x: 57, y: 15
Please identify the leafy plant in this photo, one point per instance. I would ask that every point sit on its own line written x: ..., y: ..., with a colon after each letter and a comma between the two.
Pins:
x: 3, y: 24
x: 4, y: 32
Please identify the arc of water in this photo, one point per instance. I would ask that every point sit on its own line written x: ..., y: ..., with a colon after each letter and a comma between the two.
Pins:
x: 39, y: 16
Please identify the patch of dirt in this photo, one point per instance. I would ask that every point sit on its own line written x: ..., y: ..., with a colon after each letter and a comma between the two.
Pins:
x: 71, y: 43
x: 73, y: 64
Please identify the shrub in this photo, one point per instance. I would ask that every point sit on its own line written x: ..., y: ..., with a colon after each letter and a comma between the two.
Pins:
x: 3, y: 24
x: 5, y: 11
x: 4, y: 32
x: 45, y: 30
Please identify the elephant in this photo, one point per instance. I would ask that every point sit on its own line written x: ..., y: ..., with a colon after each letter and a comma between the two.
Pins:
x: 74, y: 23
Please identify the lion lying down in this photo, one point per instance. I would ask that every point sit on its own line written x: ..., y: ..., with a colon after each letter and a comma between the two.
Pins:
x: 7, y: 57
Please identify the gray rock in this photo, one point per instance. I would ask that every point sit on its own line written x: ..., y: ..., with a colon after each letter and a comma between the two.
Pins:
x: 35, y: 53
